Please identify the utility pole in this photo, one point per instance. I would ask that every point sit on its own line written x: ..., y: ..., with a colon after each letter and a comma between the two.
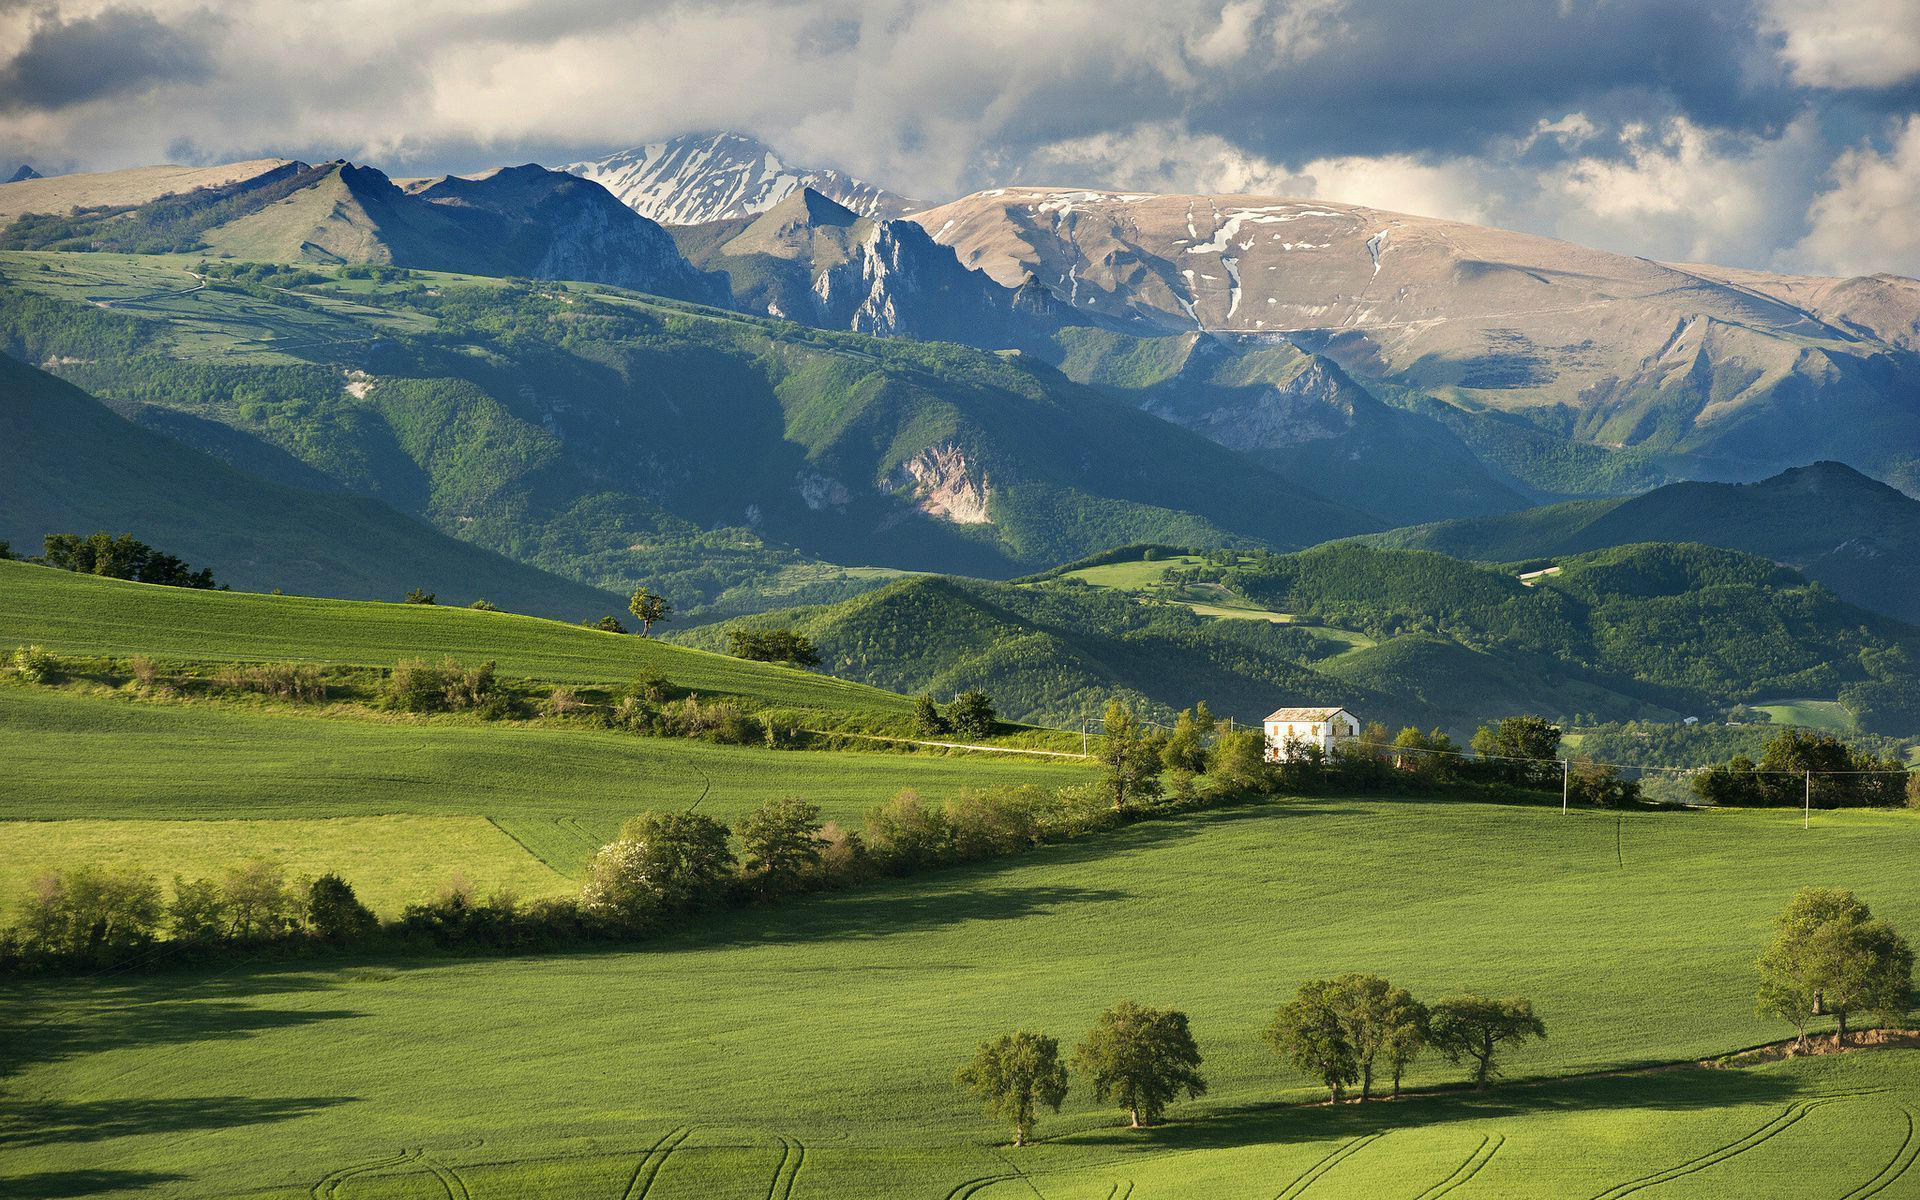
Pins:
x: 1566, y: 783
x: 1806, y: 811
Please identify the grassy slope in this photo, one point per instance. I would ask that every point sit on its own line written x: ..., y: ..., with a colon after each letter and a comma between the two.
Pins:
x: 80, y: 614
x: 835, y: 1024
x: 71, y: 464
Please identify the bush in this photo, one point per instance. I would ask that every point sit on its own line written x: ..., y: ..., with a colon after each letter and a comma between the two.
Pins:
x: 335, y: 914
x: 417, y: 596
x: 198, y: 913
x: 927, y: 721
x: 484, y: 606
x: 259, y: 903
x: 620, y: 886
x: 908, y: 833
x: 971, y: 715
x: 723, y: 721
x: 36, y: 665
x: 143, y: 670
x: 781, y: 645
x: 562, y: 701
x: 990, y: 823
x: 287, y: 681
x: 606, y: 624
x: 419, y: 687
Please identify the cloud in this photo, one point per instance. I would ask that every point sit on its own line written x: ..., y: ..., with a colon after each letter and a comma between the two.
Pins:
x: 1847, y: 43
x: 1676, y: 128
x: 115, y: 52
x: 1865, y: 222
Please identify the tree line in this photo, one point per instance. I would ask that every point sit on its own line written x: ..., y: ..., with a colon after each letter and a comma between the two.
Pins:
x: 121, y: 557
x: 1336, y: 1031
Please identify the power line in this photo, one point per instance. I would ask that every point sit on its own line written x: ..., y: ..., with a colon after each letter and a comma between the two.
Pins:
x: 1460, y: 754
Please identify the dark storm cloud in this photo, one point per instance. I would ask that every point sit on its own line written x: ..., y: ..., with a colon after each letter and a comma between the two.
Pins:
x: 114, y: 52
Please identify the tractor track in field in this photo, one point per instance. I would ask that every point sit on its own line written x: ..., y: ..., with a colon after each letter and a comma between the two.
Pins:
x: 648, y: 1168
x: 1333, y: 1158
x: 1122, y: 1190
x: 969, y: 1187
x: 793, y: 1156
x: 1481, y: 1156
x: 1897, y: 1166
x: 1782, y: 1121
x: 450, y: 1181
x: 328, y: 1185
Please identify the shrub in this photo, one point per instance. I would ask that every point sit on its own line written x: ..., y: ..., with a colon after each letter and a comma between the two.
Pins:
x: 606, y: 624
x: 620, y: 886
x: 989, y: 823
x: 635, y: 715
x: 417, y: 686
x: 198, y: 913
x: 287, y: 681
x: 143, y: 670
x: 562, y: 701
x: 484, y: 606
x: 971, y: 714
x: 843, y: 853
x: 335, y: 914
x: 650, y: 686
x: 417, y: 596
x: 908, y: 832
x: 723, y: 721
x: 927, y: 721
x: 36, y: 665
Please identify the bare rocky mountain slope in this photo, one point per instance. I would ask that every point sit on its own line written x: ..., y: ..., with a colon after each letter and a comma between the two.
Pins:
x: 1724, y: 373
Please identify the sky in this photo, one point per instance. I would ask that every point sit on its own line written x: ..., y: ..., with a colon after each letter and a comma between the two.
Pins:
x: 1780, y: 134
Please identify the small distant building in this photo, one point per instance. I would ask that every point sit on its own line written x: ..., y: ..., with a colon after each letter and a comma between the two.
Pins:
x: 1290, y: 731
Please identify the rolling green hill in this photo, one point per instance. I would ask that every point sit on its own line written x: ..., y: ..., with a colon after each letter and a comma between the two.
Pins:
x: 610, y: 436
x: 88, y: 615
x: 1652, y: 632
x: 69, y: 464
x: 1853, y: 534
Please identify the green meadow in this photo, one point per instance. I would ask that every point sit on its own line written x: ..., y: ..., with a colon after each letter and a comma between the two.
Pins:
x: 807, y: 1050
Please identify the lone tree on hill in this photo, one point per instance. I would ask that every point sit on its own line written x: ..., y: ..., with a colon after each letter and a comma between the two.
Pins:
x: 1014, y: 1074
x: 1473, y: 1028
x: 1130, y: 755
x: 781, y: 840
x: 647, y: 608
x: 1830, y: 955
x: 1142, y: 1058
x: 971, y: 714
x: 1310, y: 1033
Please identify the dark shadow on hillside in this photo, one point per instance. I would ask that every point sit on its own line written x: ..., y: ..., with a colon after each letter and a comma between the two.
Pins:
x: 69, y: 1018
x: 1678, y: 1090
x: 888, y: 911
x: 51, y: 1122
x: 57, y: 1185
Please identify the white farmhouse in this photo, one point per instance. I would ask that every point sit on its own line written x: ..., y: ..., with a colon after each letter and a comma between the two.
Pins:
x: 1291, y: 730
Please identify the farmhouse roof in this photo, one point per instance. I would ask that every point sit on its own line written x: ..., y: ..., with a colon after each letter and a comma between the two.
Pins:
x: 1302, y: 714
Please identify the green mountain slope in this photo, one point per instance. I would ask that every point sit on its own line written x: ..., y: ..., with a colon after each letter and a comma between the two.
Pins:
x: 1853, y: 534
x: 611, y: 436
x: 1651, y: 632
x: 68, y: 463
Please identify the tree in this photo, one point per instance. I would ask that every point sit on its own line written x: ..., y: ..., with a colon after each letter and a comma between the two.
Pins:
x: 1429, y: 756
x: 1830, y: 955
x: 1186, y: 746
x: 971, y: 714
x: 781, y: 645
x: 1131, y: 757
x: 1013, y: 1075
x: 1375, y: 1015
x: 606, y: 624
x: 121, y: 557
x: 647, y: 608
x: 1240, y: 758
x: 1589, y: 782
x: 484, y: 605
x: 617, y: 885
x: 90, y: 910
x: 259, y: 902
x: 1473, y: 1028
x: 781, y: 840
x: 1523, y: 749
x: 1142, y: 1058
x: 335, y: 914
x: 417, y: 596
x: 927, y: 720
x: 1309, y: 1032
x: 684, y: 854
x: 1404, y: 1034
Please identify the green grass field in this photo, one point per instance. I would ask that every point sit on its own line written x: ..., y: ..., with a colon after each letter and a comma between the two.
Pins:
x: 807, y: 1050
x: 560, y: 792
x: 84, y: 614
x: 1810, y: 714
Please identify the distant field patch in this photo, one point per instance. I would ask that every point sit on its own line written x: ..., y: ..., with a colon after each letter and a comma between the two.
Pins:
x: 1133, y: 576
x: 1810, y: 714
x: 390, y: 860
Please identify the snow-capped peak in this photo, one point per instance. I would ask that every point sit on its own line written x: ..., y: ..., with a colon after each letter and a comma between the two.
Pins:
x: 707, y: 177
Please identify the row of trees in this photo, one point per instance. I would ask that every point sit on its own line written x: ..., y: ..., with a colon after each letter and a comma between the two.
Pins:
x: 122, y: 557
x: 970, y: 714
x: 1797, y: 767
x: 1336, y: 1031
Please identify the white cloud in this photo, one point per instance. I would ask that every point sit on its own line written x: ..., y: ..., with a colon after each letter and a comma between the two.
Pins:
x: 1847, y: 43
x: 1867, y: 222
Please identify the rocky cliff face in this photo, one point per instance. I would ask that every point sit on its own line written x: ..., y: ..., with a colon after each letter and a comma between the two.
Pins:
x: 696, y: 178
